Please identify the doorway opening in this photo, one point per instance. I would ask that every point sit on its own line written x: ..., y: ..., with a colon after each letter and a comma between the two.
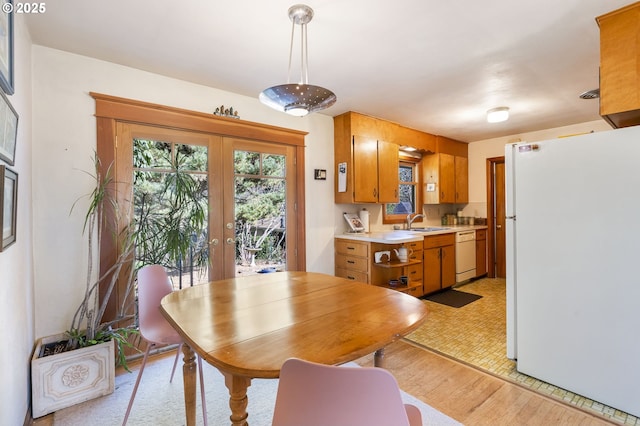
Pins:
x: 496, y: 259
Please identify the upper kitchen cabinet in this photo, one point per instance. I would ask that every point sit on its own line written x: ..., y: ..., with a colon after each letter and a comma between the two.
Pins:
x: 366, y: 150
x: 620, y: 65
x: 369, y: 171
x: 446, y: 174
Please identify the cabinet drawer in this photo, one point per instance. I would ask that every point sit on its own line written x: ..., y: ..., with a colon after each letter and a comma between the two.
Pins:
x: 440, y: 240
x: 481, y: 234
x: 362, y: 277
x: 415, y: 291
x: 415, y: 245
x: 415, y: 272
x: 352, y: 248
x: 416, y: 255
x: 352, y: 262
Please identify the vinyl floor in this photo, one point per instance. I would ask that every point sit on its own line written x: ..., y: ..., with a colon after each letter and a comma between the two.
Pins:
x: 476, y: 334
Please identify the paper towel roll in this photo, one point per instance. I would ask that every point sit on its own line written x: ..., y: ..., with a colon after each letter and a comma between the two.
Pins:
x: 364, y: 218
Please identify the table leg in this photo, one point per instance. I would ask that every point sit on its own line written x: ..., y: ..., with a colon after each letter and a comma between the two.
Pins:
x: 378, y: 358
x: 189, y: 378
x: 238, y: 400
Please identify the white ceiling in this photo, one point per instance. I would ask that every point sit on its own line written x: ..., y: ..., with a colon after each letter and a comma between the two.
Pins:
x: 432, y: 65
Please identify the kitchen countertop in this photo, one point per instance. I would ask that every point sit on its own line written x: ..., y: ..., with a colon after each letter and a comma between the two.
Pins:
x: 405, y: 236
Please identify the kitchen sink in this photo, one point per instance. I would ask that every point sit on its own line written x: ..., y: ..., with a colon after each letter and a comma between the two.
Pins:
x: 429, y: 229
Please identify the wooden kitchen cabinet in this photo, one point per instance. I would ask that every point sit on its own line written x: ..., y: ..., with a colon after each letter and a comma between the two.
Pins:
x: 375, y: 171
x: 381, y: 273
x: 481, y: 252
x: 619, y: 65
x: 370, y: 166
x: 446, y: 179
x: 352, y: 260
x: 439, y: 262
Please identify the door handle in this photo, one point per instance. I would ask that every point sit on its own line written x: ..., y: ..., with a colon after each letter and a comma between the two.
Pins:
x: 231, y: 241
x: 214, y: 242
x: 498, y: 227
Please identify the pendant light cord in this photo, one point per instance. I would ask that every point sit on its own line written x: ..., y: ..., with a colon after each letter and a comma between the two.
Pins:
x: 304, y: 54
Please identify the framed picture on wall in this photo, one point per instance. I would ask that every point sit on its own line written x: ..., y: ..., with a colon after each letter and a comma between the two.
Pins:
x: 8, y: 130
x: 9, y: 205
x: 6, y: 47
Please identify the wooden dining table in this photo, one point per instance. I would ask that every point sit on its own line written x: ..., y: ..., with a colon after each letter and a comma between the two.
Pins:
x: 247, y: 327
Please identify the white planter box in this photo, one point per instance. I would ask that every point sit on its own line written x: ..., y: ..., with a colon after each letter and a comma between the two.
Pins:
x: 65, y: 379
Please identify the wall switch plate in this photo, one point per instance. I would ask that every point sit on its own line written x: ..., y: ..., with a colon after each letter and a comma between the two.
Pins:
x: 320, y: 174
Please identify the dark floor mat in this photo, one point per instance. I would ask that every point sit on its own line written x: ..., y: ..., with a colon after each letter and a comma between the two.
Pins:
x: 453, y: 298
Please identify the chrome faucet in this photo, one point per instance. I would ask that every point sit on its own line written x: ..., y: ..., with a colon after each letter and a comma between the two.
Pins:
x: 411, y: 219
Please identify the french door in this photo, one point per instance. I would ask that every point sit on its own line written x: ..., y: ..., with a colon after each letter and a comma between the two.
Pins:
x: 245, y: 190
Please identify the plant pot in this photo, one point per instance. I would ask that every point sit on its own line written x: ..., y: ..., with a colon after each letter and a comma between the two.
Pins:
x: 68, y: 378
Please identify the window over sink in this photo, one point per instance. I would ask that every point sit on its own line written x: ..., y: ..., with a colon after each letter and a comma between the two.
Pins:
x: 410, y: 196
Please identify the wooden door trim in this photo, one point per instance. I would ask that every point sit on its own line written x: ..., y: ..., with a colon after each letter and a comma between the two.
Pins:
x: 165, y: 116
x: 491, y: 270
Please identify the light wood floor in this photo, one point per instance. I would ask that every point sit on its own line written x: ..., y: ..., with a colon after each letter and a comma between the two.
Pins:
x: 472, y: 396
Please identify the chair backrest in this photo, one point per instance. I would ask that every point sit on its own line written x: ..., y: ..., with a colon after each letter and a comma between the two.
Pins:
x: 314, y: 394
x: 153, y: 285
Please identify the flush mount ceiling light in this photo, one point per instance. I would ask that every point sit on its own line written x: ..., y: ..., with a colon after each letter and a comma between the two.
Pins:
x: 302, y: 98
x: 496, y: 115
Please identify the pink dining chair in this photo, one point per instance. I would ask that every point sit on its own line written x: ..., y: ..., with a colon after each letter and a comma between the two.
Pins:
x: 314, y: 394
x: 153, y: 285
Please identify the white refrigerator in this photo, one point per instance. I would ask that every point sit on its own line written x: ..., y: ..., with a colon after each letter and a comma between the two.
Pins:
x: 573, y: 263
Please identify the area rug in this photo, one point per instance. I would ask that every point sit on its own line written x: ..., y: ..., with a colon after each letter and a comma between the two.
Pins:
x: 159, y: 402
x: 453, y: 298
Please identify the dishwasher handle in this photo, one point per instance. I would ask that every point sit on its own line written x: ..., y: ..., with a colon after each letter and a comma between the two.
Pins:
x: 463, y: 236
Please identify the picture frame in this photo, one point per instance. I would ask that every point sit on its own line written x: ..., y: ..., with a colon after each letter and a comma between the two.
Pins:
x: 355, y: 224
x: 6, y: 48
x: 8, y: 205
x: 8, y: 130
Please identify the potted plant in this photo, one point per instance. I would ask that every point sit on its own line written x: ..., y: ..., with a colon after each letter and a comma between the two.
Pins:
x: 79, y: 365
x: 82, y: 364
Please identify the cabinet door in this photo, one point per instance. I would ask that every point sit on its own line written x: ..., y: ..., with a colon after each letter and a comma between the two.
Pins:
x: 448, y: 259
x: 388, y: 179
x: 447, y: 178
x: 365, y: 170
x: 431, y: 273
x: 481, y: 257
x: 462, y: 179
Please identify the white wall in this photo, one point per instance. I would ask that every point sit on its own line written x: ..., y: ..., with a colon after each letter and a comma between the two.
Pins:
x: 481, y: 150
x: 16, y: 262
x: 64, y: 140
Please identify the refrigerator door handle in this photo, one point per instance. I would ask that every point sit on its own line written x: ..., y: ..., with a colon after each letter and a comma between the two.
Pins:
x: 511, y: 217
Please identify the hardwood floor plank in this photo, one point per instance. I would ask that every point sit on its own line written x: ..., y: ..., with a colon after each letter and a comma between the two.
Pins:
x: 472, y: 396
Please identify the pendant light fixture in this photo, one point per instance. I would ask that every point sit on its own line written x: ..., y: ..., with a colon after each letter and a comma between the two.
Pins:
x: 302, y: 98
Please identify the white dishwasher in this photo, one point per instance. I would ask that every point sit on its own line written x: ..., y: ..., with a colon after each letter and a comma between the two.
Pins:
x: 465, y: 255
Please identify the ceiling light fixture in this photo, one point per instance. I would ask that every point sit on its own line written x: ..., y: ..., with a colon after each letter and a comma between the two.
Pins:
x: 590, y: 94
x: 302, y: 98
x: 496, y: 115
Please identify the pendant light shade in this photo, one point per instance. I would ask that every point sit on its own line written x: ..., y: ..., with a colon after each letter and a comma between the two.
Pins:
x: 302, y: 98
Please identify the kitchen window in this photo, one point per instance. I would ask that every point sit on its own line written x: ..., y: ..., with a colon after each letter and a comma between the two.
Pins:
x: 410, y: 197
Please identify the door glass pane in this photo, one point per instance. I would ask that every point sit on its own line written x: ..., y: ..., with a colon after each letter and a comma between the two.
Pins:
x: 171, y: 209
x: 260, y: 212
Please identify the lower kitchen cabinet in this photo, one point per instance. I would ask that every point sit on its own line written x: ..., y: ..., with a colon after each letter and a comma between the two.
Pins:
x: 439, y: 262
x: 354, y: 260
x: 481, y: 252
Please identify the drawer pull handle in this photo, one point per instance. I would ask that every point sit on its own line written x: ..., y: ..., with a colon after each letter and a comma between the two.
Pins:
x: 351, y: 278
x: 351, y: 262
x: 351, y: 248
